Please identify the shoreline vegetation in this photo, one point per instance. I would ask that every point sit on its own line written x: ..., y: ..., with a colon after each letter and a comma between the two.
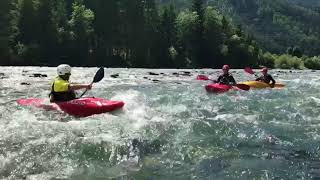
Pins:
x: 132, y: 34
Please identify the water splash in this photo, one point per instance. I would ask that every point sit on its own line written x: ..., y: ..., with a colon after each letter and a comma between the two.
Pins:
x: 170, y: 128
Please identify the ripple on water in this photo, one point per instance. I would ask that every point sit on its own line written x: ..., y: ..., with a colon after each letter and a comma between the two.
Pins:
x: 170, y: 128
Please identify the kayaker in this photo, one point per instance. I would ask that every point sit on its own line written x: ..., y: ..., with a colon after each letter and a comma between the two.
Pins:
x: 226, y: 77
x: 266, y: 78
x: 62, y: 89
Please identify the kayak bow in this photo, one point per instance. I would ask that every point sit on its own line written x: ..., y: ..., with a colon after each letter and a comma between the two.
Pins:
x: 81, y: 107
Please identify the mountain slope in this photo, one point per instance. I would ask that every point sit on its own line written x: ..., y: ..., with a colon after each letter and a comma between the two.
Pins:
x: 276, y: 24
x: 306, y: 3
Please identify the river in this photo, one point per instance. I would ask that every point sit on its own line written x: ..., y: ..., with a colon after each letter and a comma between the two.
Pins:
x: 169, y: 128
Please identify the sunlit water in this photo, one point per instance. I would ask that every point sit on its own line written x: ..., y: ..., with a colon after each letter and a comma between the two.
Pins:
x: 170, y: 128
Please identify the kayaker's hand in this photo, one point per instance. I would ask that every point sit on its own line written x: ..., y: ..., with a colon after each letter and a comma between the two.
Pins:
x: 89, y: 86
x: 272, y: 85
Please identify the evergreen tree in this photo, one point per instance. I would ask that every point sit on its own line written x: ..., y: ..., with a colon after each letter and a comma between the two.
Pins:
x: 296, y: 51
x: 213, y: 37
x: 197, y: 6
x: 200, y: 50
x: 81, y: 31
x: 106, y: 25
x: 133, y: 34
x: 26, y: 44
x: 4, y: 29
x: 151, y: 31
x: 27, y: 23
x: 188, y: 39
x: 47, y: 24
x: 167, y: 37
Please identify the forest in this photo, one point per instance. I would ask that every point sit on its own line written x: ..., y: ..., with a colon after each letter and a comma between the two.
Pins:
x: 159, y: 33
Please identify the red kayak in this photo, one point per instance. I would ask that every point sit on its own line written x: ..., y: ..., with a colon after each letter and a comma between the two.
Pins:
x: 218, y: 88
x: 82, y: 107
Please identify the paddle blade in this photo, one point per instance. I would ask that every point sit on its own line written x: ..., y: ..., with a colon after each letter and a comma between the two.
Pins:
x: 243, y: 87
x: 99, y: 75
x: 249, y: 70
x: 202, y: 78
x: 279, y: 85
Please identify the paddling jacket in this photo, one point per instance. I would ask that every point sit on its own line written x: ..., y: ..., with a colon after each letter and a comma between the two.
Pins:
x: 60, y: 91
x: 226, y: 79
x: 266, y: 79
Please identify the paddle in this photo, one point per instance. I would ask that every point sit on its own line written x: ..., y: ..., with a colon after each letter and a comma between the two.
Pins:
x: 243, y: 87
x: 240, y: 86
x: 250, y: 71
x: 97, y: 78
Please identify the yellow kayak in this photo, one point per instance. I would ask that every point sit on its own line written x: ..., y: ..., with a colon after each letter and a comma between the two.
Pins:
x: 261, y: 85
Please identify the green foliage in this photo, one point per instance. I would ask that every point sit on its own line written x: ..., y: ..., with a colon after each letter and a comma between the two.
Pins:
x: 167, y: 37
x: 81, y: 31
x: 214, y: 36
x: 199, y: 53
x: 294, y: 51
x: 267, y: 60
x: 138, y: 33
x: 297, y: 52
x: 25, y: 37
x: 179, y: 4
x: 27, y: 23
x: 81, y: 22
x: 312, y: 63
x: 277, y: 24
x: 187, y: 23
x: 197, y: 6
x: 4, y: 30
x: 288, y: 62
x: 47, y: 30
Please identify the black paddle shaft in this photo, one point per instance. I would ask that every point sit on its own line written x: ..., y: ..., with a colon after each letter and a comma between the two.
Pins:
x: 97, y: 78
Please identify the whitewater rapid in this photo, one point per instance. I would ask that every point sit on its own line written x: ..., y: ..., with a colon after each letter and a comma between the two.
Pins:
x: 170, y: 128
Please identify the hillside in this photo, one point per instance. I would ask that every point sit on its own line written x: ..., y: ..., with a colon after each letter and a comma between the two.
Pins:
x: 149, y: 34
x: 276, y: 24
x: 307, y: 3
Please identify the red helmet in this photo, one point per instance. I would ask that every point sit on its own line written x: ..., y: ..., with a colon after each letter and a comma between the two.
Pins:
x: 265, y: 70
x: 226, y: 67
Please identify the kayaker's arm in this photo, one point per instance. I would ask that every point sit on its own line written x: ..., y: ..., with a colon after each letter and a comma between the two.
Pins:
x: 74, y: 87
x: 219, y: 79
x: 273, y: 82
x: 232, y: 80
x: 259, y: 79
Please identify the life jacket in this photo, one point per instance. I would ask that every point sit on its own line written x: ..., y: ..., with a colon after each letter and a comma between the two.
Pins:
x: 60, y: 91
x: 226, y: 79
x: 267, y: 78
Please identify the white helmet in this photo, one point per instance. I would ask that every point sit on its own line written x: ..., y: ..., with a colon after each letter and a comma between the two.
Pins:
x: 63, y: 69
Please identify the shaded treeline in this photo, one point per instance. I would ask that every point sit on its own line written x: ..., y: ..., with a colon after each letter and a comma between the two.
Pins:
x: 123, y: 33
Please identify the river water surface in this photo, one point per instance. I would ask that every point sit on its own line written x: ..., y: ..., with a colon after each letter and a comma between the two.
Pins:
x: 170, y: 128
